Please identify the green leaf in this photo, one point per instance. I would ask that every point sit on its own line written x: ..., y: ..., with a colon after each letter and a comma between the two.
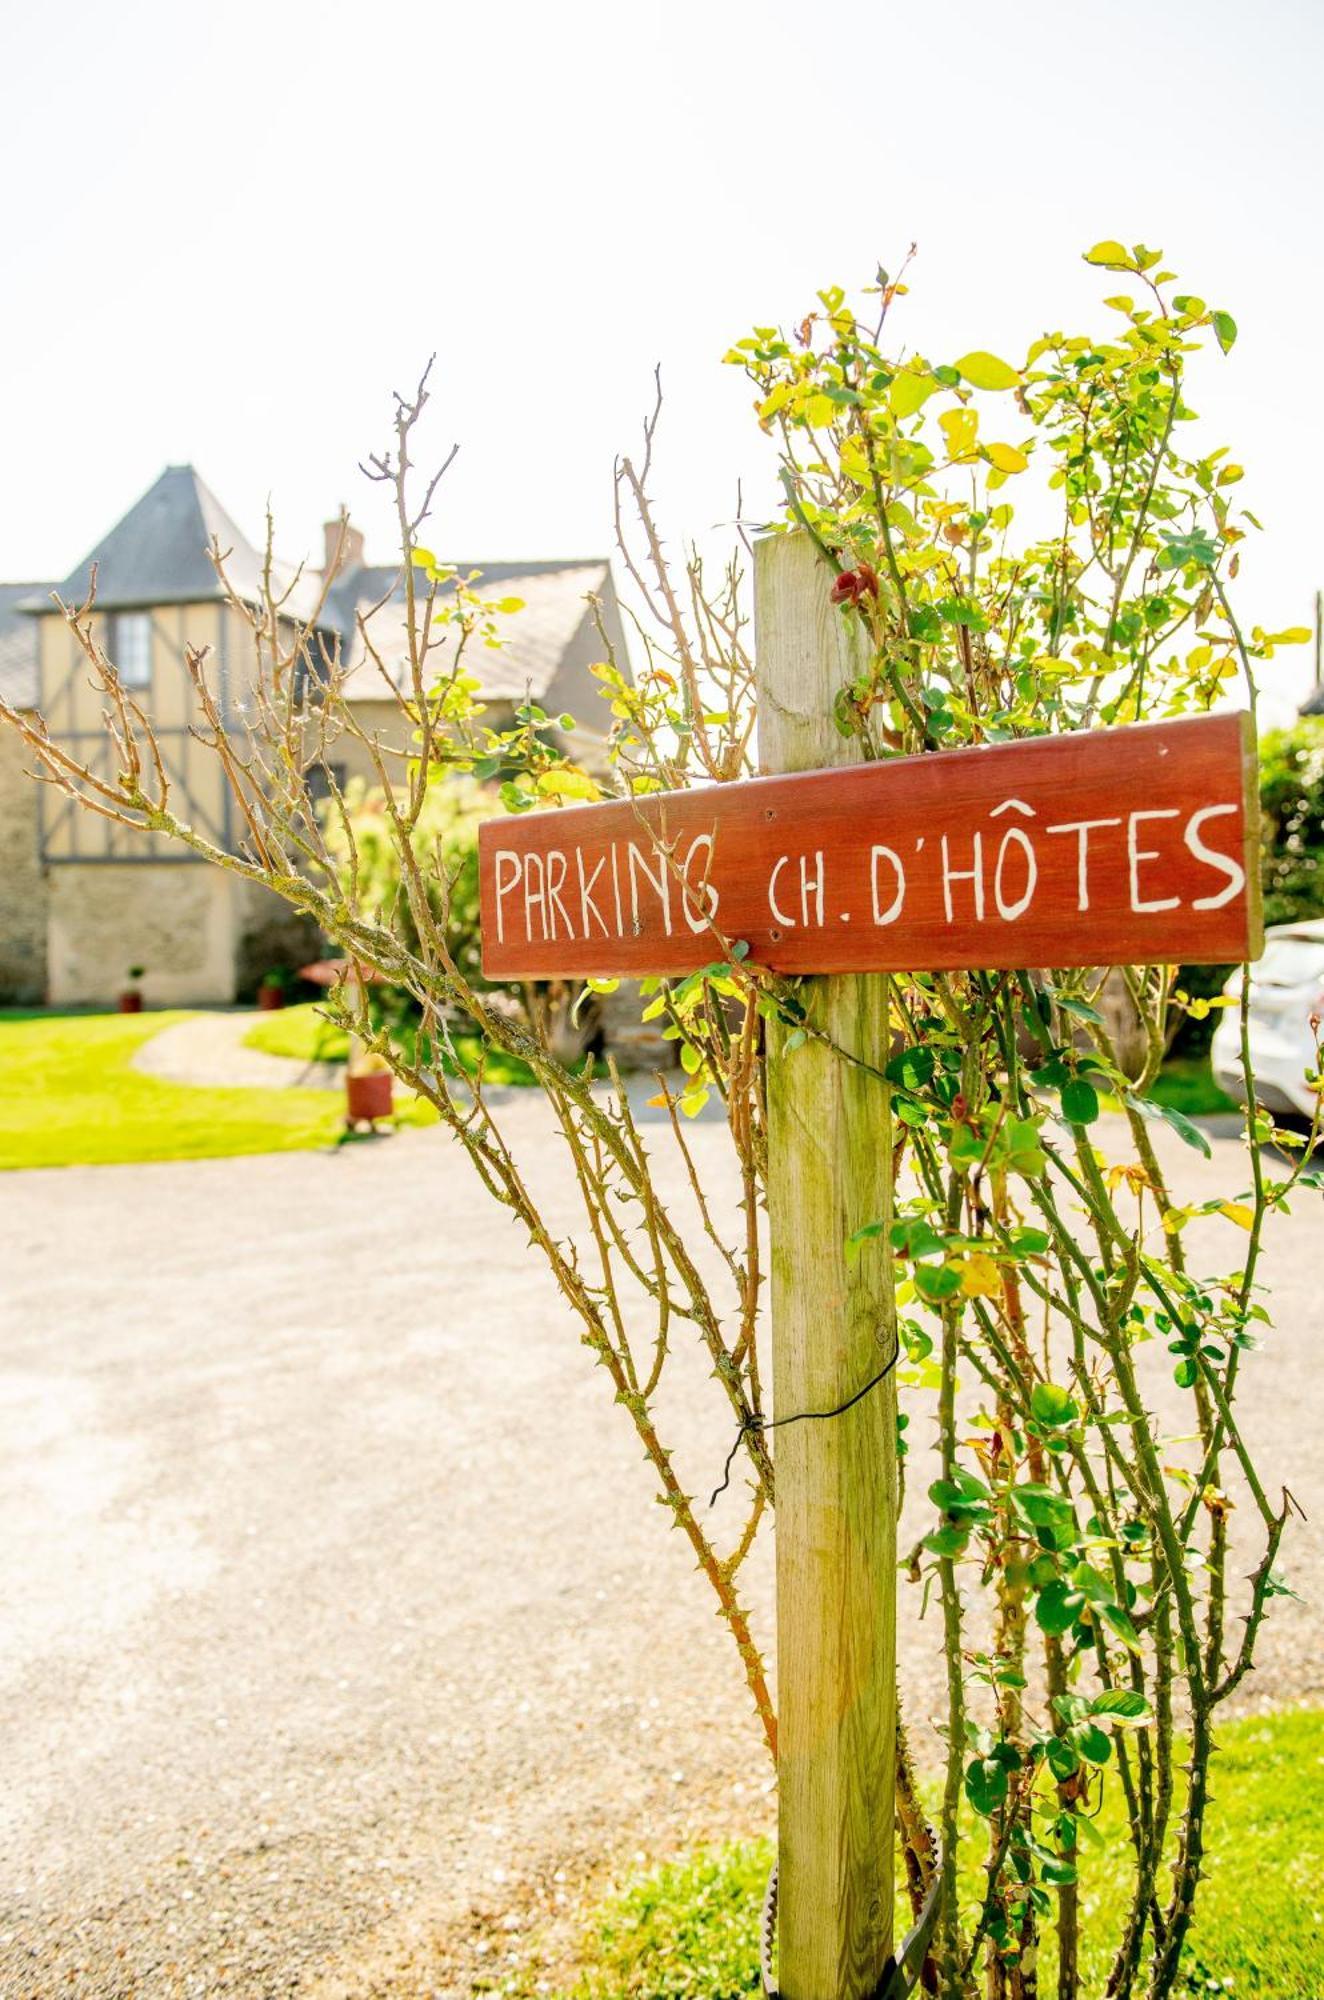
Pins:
x: 949, y: 1542
x: 955, y: 611
x: 986, y: 1785
x: 1114, y: 1616
x: 1080, y: 1102
x: 1025, y: 1155
x: 1052, y: 1405
x: 1029, y: 1242
x: 1082, y: 1010
x: 1091, y: 1584
x: 1179, y: 1122
x: 1057, y: 1607
x: 1093, y: 1743
x: 985, y: 371
x: 937, y: 1282
x: 1124, y: 1702
x: 912, y: 1236
x: 912, y: 1069
x: 909, y: 392
x: 1043, y: 1508
x: 958, y: 1491
x: 1111, y: 255
x: 1225, y: 329
x: 1006, y: 457
x: 1062, y: 1759
x: 1180, y: 550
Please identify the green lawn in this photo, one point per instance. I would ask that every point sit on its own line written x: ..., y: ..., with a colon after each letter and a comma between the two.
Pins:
x: 689, y: 1931
x: 69, y: 1096
x: 305, y: 1034
x: 302, y: 1033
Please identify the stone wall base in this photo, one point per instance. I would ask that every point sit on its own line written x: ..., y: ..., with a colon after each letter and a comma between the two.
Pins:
x: 203, y: 937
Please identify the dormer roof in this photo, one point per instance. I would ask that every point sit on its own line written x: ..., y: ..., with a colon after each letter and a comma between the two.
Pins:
x: 157, y: 552
x: 536, y: 641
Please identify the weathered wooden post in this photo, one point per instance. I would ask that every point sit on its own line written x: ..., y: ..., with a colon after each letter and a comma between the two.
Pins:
x: 833, y: 1327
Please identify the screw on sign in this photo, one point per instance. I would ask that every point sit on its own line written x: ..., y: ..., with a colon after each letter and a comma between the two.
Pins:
x: 1121, y: 846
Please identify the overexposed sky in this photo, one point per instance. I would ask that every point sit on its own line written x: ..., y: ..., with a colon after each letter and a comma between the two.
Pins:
x: 231, y: 232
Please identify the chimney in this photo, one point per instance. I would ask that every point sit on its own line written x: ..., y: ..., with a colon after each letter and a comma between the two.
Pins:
x: 353, y: 549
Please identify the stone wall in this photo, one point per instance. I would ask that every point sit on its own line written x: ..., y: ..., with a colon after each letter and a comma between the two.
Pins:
x: 177, y: 919
x: 204, y: 937
x: 22, y: 882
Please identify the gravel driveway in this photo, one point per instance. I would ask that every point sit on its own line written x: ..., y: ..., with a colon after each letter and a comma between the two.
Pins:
x: 340, y: 1635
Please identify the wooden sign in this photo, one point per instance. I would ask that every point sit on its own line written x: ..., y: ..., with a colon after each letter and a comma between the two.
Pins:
x: 1123, y: 846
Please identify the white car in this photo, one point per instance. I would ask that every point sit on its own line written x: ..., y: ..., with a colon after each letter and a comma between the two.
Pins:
x: 1286, y: 991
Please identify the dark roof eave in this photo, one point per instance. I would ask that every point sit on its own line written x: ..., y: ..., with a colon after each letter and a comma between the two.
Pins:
x: 36, y: 607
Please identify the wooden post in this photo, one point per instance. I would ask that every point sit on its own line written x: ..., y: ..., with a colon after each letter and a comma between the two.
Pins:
x: 833, y: 1327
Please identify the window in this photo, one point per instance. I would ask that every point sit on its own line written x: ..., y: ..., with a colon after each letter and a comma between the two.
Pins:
x: 131, y: 647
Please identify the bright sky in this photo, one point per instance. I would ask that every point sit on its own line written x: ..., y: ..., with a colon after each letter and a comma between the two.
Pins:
x: 232, y: 231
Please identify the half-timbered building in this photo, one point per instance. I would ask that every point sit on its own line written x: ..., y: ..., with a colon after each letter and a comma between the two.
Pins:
x: 88, y: 900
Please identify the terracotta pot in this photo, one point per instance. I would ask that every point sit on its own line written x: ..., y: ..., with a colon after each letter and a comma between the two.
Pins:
x: 369, y: 1097
x: 269, y: 998
x: 130, y: 1003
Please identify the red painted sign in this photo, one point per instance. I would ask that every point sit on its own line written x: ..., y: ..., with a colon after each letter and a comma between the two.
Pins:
x: 1111, y: 847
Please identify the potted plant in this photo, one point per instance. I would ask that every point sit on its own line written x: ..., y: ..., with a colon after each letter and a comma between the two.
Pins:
x: 274, y: 988
x: 368, y: 1090
x: 131, y: 999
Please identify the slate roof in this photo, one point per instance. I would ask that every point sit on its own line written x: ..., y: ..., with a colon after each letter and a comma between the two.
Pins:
x: 158, y: 553
x: 18, y: 643
x: 537, y: 638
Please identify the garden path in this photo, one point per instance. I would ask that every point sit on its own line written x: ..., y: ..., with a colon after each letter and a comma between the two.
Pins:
x: 208, y: 1050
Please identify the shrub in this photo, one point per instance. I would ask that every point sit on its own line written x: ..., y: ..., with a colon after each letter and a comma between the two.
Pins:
x: 1292, y: 809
